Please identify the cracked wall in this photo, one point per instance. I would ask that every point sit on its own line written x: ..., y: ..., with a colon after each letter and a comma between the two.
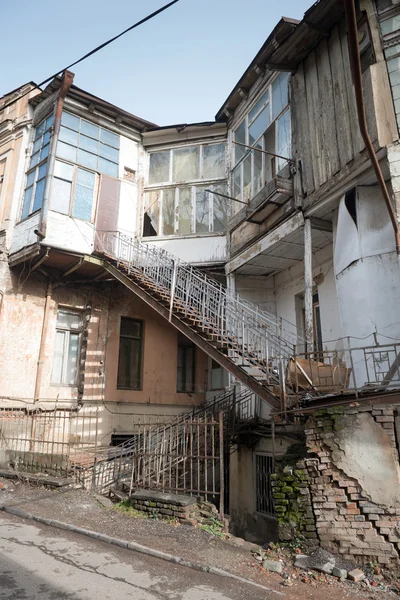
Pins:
x: 354, y: 474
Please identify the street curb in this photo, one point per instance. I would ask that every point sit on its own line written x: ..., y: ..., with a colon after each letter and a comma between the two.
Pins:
x: 135, y: 547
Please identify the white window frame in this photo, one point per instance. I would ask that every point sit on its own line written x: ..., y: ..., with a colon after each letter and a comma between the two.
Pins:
x: 75, y: 167
x: 273, y: 122
x: 201, y: 177
x: 67, y: 331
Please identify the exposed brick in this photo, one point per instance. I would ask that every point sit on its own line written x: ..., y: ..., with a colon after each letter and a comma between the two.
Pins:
x: 357, y: 525
x: 385, y: 523
x: 385, y: 419
x: 329, y: 505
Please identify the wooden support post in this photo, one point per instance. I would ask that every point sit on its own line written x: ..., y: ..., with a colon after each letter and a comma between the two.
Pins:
x: 308, y: 286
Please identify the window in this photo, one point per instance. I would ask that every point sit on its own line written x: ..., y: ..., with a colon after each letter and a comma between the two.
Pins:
x: 36, y: 174
x: 186, y: 210
x: 266, y: 127
x: 86, y: 144
x: 264, y: 467
x: 2, y: 174
x: 67, y: 347
x: 130, y: 355
x: 173, y: 209
x: 317, y: 329
x: 186, y: 365
x: 188, y: 163
x: 219, y: 377
x: 72, y: 191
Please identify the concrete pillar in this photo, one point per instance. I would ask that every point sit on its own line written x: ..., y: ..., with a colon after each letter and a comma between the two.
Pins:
x: 308, y: 286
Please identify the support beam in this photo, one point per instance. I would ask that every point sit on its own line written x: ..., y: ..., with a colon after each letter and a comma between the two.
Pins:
x: 265, y: 243
x: 321, y: 224
x: 73, y: 267
x: 308, y: 286
x: 41, y: 260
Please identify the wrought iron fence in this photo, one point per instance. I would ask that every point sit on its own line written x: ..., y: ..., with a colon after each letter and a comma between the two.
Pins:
x: 46, y: 441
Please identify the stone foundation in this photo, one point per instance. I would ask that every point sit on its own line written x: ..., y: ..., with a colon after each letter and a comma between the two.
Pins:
x: 185, y: 509
x: 293, y: 507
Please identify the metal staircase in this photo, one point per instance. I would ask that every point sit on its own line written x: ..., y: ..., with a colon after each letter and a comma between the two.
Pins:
x: 160, y: 448
x: 249, y: 343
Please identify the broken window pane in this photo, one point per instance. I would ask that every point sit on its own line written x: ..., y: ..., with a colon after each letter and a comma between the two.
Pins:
x: 220, y: 209
x: 202, y: 211
x: 185, y: 211
x: 240, y: 136
x: 186, y: 164
x: 247, y: 178
x: 214, y: 161
x: 159, y: 167
x: 283, y: 147
x: 168, y: 210
x: 280, y: 94
x: 237, y: 184
x: 152, y: 214
x: 257, y: 169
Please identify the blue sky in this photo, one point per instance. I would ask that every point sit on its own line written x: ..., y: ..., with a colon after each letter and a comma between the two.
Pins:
x: 178, y: 67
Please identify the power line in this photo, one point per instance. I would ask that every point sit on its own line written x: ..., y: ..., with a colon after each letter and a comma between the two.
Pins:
x: 39, y: 85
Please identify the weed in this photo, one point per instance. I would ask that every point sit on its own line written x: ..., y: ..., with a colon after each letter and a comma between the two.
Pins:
x: 215, y: 527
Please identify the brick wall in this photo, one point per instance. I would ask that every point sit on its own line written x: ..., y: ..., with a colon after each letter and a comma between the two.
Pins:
x: 347, y: 521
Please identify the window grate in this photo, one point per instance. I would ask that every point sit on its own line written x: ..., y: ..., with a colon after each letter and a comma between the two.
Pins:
x: 264, y: 498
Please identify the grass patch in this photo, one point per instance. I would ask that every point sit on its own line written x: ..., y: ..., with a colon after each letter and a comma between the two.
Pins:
x: 215, y: 527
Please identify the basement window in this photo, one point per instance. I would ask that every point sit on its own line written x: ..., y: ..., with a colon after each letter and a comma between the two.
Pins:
x: 67, y: 348
x: 264, y: 468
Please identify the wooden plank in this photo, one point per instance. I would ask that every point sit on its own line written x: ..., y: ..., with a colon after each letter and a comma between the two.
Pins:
x: 328, y: 119
x: 342, y: 120
x: 358, y: 143
x: 314, y: 118
x: 300, y: 125
x: 108, y: 205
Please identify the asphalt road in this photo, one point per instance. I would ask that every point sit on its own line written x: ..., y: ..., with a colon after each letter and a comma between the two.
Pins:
x: 39, y: 562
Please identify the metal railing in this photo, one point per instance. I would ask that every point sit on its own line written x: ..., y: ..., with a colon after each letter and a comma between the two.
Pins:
x: 350, y: 370
x: 112, y: 466
x: 260, y: 336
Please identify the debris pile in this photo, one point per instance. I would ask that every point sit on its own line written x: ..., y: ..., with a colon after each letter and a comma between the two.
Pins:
x: 321, y: 566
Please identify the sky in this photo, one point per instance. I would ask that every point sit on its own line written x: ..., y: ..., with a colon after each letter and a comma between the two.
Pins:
x: 177, y: 68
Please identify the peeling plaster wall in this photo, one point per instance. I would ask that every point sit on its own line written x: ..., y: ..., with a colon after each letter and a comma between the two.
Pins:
x: 353, y: 465
x: 367, y: 270
x: 290, y: 283
x: 21, y: 319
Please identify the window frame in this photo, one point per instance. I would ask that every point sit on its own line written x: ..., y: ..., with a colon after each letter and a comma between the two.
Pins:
x: 238, y: 165
x: 35, y: 168
x: 175, y: 183
x: 186, y: 345
x: 140, y: 338
x: 258, y: 508
x: 159, y: 202
x: 73, y: 183
x: 67, y: 331
x: 78, y: 147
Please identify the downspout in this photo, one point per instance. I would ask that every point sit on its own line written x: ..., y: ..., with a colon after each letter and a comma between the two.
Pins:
x: 43, y: 341
x: 352, y: 40
x: 66, y: 83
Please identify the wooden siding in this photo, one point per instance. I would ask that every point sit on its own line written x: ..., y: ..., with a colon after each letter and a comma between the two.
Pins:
x: 326, y: 135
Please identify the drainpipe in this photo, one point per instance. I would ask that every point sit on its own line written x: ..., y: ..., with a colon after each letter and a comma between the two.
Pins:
x: 352, y: 40
x: 43, y: 341
x: 66, y: 83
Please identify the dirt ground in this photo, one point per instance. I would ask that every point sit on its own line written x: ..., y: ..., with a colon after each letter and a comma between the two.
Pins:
x: 88, y: 511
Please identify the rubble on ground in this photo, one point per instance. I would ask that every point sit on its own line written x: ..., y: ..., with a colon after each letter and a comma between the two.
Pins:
x: 321, y: 566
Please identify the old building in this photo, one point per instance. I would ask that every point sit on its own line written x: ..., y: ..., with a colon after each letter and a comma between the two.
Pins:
x: 247, y: 269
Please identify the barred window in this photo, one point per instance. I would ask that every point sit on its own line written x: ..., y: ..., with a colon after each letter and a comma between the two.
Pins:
x: 264, y: 467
